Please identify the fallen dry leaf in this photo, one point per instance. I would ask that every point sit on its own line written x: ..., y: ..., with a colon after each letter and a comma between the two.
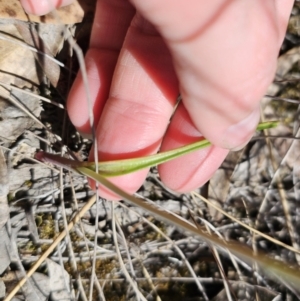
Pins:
x: 70, y: 14
x: 37, y: 290
x: 31, y: 37
x: 17, y: 63
x: 59, y: 280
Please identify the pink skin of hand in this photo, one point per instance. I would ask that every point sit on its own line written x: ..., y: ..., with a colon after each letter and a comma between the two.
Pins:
x: 42, y: 7
x: 221, y: 55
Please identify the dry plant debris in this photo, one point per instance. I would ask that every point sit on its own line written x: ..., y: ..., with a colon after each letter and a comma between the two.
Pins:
x: 259, y: 186
x: 12, y: 9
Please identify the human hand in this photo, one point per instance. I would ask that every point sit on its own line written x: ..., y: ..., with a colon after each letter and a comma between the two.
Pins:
x: 220, y: 55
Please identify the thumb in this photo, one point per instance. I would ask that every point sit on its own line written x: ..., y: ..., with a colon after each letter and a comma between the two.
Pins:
x: 221, y: 58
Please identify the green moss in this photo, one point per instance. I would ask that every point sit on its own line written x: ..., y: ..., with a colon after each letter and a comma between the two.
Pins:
x: 46, y: 226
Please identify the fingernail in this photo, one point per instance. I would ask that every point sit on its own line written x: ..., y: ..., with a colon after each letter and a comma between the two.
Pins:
x: 238, y: 135
x: 238, y: 148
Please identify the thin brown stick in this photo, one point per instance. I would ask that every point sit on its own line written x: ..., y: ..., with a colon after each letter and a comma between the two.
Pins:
x: 59, y: 238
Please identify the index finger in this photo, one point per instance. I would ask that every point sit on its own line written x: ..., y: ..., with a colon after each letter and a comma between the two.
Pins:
x: 111, y: 21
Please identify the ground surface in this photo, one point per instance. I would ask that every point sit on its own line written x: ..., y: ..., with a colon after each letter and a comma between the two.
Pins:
x: 258, y: 186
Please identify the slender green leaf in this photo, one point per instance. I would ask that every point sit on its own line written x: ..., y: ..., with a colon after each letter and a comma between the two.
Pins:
x: 121, y: 167
x: 126, y: 166
x: 267, y: 125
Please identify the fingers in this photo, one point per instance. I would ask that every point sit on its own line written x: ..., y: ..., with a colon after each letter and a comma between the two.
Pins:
x: 193, y: 170
x: 223, y: 64
x: 112, y: 19
x: 42, y: 7
x: 142, y: 96
x: 222, y: 59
